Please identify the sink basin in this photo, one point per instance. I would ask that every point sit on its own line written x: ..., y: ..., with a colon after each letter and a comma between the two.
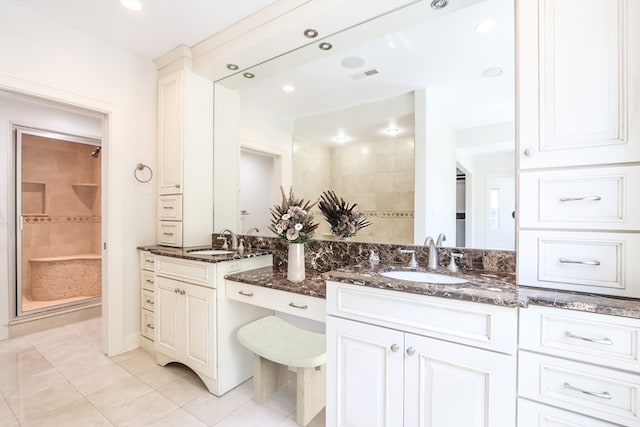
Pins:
x: 421, y: 276
x: 210, y: 252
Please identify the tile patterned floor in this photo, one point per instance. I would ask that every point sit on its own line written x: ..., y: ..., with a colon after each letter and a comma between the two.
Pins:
x: 60, y: 378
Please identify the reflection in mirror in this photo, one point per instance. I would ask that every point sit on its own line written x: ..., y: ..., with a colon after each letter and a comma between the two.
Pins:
x: 410, y: 115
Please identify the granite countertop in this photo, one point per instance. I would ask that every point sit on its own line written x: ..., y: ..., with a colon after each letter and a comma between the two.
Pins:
x: 482, y: 287
x: 187, y: 253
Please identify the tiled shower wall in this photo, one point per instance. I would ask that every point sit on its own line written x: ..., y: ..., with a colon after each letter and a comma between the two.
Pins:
x: 60, y: 201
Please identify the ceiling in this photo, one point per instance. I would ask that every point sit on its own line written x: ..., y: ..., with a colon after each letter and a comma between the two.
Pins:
x: 160, y: 26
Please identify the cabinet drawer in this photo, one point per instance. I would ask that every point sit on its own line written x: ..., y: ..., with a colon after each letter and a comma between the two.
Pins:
x: 146, y: 280
x: 573, y: 199
x: 147, y: 261
x: 147, y: 301
x: 479, y: 325
x: 147, y: 324
x: 282, y: 301
x: 170, y: 233
x: 532, y: 414
x: 600, y: 392
x: 588, y: 337
x: 199, y: 273
x: 580, y: 261
x: 170, y: 207
x: 244, y: 264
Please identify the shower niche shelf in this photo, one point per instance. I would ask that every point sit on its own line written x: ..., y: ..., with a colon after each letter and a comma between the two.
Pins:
x: 84, y: 185
x: 34, y: 198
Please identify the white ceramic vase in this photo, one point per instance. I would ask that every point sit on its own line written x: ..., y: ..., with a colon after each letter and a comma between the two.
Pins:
x: 295, y: 271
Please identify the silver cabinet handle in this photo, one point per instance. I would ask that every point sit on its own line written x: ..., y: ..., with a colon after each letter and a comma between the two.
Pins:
x: 246, y: 294
x: 395, y: 348
x: 182, y: 292
x: 580, y: 199
x: 301, y: 307
x: 411, y: 351
x: 605, y: 340
x: 167, y: 207
x: 177, y: 185
x: 176, y: 290
x: 149, y: 281
x: 603, y: 395
x: 150, y: 302
x: 529, y: 152
x: 575, y: 261
x: 150, y: 326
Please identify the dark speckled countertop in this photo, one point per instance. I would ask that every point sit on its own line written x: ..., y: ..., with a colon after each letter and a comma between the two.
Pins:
x: 187, y: 253
x: 482, y: 287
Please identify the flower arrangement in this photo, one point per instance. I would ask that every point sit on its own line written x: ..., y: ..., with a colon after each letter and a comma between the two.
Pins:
x: 344, y: 220
x: 291, y: 220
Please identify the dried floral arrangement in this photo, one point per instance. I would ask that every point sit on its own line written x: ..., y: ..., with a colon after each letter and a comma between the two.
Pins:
x: 344, y: 220
x: 291, y: 220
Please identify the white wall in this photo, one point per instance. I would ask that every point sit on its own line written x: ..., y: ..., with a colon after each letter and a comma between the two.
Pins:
x: 46, y: 59
x: 256, y: 191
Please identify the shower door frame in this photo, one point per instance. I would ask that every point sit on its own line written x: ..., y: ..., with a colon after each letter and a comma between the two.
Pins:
x: 17, y: 132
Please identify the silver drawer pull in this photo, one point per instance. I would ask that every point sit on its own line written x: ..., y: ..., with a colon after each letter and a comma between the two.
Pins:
x: 150, y: 302
x: 246, y: 294
x: 149, y: 281
x: 575, y: 261
x: 580, y: 199
x: 603, y: 395
x: 605, y: 341
x: 395, y: 348
x: 167, y: 207
x: 167, y: 234
x: 150, y: 326
x: 301, y: 307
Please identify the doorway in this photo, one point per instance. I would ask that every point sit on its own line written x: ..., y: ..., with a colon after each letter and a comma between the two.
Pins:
x: 259, y: 189
x: 58, y: 215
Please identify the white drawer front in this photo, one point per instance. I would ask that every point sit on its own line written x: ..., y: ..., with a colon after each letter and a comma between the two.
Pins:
x: 147, y: 324
x: 146, y: 280
x: 600, y: 392
x: 285, y: 302
x: 147, y: 261
x: 199, y: 273
x: 170, y: 233
x: 532, y: 414
x: 480, y: 325
x: 571, y: 199
x: 588, y: 337
x: 244, y: 264
x: 147, y: 301
x: 170, y: 207
x: 581, y: 261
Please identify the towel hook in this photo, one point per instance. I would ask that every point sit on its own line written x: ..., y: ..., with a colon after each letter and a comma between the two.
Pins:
x: 142, y: 167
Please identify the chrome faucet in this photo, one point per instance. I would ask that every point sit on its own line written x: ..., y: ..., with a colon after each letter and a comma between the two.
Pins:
x: 234, y: 239
x: 433, y: 253
x: 412, y: 263
x: 253, y: 229
x: 441, y: 238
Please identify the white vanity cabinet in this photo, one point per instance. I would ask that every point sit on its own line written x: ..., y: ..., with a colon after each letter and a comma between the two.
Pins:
x: 578, y: 367
x: 579, y: 145
x: 396, y: 359
x: 185, y: 157
x: 196, y: 324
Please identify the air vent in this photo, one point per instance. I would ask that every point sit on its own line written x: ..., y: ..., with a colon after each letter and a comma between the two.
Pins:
x: 368, y: 73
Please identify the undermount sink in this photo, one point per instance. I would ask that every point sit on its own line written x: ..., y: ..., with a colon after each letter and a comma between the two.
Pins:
x: 210, y: 252
x: 421, y: 276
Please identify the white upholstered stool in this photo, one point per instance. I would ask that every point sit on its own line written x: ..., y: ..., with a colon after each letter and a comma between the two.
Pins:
x: 277, y: 345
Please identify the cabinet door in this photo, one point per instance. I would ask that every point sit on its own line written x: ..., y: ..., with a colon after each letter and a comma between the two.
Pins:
x: 364, y: 375
x: 578, y: 66
x: 168, y: 316
x: 170, y: 133
x: 450, y: 384
x: 200, y: 327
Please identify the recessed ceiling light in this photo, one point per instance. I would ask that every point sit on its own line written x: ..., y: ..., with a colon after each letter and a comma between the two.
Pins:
x: 249, y: 75
x: 132, y: 4
x: 352, y: 62
x: 325, y: 45
x: 439, y: 4
x: 392, y: 131
x: 310, y: 33
x: 341, y: 139
x: 232, y: 67
x: 288, y: 88
x: 486, y: 26
x: 492, y: 72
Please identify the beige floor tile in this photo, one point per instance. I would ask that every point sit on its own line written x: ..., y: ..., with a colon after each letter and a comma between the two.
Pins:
x: 88, y: 381
x: 33, y: 383
x: 21, y: 364
x: 253, y: 415
x: 212, y: 409
x: 14, y: 345
x: 7, y: 419
x: 183, y: 390
x: 112, y: 397
x: 178, y: 417
x: 139, y: 363
x: 142, y: 411
x: 159, y: 376
x: 76, y: 414
x: 284, y: 400
x: 49, y: 335
x: 63, y: 349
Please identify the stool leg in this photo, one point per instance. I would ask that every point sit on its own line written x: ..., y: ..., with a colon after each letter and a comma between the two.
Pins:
x: 311, y: 393
x: 268, y: 377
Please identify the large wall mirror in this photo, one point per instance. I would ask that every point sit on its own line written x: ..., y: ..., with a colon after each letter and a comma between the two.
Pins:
x: 411, y: 115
